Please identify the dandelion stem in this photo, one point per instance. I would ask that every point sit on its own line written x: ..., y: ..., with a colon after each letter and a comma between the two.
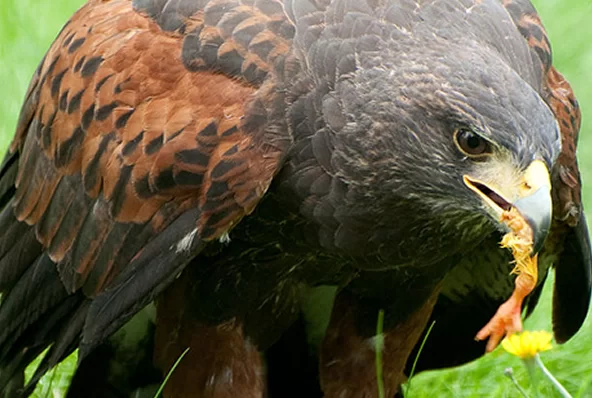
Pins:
x: 510, y: 374
x: 564, y: 393
x: 530, y: 367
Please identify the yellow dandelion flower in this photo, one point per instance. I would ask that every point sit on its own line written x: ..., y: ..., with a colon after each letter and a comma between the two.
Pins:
x: 527, y: 344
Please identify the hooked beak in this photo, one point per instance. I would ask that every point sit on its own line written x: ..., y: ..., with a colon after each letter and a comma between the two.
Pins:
x: 532, y: 199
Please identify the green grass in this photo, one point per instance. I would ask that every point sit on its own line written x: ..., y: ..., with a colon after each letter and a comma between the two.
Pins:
x: 27, y: 28
x: 570, y: 363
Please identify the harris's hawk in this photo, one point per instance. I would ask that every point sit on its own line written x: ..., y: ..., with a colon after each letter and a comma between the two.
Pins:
x: 222, y: 157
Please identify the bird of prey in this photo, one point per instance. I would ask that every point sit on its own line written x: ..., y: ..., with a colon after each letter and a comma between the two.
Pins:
x: 224, y: 157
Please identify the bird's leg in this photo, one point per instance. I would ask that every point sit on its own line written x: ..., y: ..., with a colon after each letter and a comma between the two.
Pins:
x: 347, y: 363
x: 507, y: 319
x: 221, y: 361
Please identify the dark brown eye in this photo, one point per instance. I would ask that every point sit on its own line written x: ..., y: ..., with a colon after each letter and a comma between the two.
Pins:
x: 471, y: 144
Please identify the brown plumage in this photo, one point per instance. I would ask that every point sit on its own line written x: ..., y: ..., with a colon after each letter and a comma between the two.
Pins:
x: 222, y: 157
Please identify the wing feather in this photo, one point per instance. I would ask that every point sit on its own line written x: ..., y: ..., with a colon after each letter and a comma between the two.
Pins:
x: 146, y: 132
x: 569, y: 238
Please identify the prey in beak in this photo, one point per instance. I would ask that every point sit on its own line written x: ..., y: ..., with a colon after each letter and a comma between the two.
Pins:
x: 531, y: 198
x: 524, y: 209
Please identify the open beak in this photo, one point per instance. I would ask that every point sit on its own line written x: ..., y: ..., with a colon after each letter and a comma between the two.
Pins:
x: 531, y: 197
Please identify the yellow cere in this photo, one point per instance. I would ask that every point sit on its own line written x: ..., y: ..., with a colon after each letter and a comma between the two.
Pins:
x: 527, y: 344
x: 520, y: 241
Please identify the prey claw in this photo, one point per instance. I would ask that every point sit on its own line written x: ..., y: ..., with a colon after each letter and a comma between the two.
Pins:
x: 505, y: 322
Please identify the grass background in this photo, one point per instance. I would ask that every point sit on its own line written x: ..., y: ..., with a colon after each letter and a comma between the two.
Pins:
x: 27, y: 28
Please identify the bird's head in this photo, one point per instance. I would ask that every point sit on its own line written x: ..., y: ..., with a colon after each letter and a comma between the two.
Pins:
x: 440, y: 141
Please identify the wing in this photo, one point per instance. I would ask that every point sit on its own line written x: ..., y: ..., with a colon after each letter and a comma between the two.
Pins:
x: 569, y: 238
x: 149, y: 129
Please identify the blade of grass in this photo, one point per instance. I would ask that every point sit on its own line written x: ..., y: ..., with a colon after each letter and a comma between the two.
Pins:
x: 166, y: 379
x: 378, y: 344
x: 425, y: 338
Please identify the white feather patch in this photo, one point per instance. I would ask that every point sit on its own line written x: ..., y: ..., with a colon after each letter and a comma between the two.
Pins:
x: 376, y: 342
x: 225, y: 238
x: 185, y: 243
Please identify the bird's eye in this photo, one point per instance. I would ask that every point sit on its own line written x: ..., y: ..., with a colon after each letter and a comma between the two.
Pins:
x: 471, y: 144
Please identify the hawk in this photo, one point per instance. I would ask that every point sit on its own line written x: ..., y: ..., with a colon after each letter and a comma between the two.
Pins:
x: 224, y: 157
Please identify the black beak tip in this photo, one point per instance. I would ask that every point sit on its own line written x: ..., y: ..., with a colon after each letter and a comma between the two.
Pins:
x: 540, y: 229
x: 537, y: 211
